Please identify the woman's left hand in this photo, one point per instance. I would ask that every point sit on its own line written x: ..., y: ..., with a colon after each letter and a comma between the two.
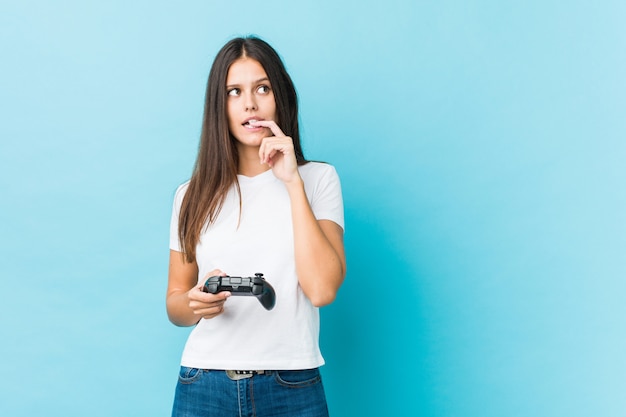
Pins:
x: 278, y: 152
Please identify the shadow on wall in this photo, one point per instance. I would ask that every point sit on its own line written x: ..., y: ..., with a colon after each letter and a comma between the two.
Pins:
x: 374, y: 336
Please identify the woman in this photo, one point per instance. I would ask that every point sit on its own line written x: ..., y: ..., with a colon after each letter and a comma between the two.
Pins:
x: 253, y: 204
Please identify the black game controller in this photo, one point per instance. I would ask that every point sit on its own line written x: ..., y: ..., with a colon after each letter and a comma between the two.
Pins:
x: 256, y: 286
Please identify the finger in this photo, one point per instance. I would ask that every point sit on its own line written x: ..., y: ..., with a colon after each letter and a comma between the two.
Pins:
x: 220, y: 297
x: 271, y: 125
x: 203, y: 308
x: 197, y: 294
x: 209, y: 313
x: 270, y: 155
x: 264, y: 150
x: 267, y: 156
x: 215, y: 273
x: 272, y: 146
x: 199, y: 306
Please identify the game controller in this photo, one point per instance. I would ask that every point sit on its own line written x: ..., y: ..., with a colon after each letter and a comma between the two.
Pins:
x: 256, y: 286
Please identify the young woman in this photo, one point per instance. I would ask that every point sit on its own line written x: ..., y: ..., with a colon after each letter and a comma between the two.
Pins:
x: 253, y: 204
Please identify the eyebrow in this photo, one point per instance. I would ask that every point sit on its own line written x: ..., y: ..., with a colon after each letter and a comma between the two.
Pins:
x: 260, y: 80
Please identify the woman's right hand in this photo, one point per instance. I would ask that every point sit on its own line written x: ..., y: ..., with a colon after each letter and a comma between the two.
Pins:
x: 204, y: 304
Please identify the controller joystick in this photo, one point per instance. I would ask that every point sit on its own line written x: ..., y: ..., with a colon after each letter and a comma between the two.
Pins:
x: 255, y: 286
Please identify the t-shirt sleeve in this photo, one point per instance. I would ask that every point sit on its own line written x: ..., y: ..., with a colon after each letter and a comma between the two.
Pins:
x: 178, y: 200
x: 326, y: 199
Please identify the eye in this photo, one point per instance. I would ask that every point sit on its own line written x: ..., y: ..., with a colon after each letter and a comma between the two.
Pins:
x: 234, y: 92
x: 263, y: 89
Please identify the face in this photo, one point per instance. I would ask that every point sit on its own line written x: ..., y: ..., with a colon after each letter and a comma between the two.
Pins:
x: 250, y: 97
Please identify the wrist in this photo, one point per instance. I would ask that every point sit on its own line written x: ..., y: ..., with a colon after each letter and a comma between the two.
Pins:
x: 294, y: 185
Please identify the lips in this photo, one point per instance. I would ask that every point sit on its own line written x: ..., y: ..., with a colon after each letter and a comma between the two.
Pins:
x: 249, y: 120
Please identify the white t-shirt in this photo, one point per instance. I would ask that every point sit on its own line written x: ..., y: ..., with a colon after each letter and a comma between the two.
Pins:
x: 246, y: 336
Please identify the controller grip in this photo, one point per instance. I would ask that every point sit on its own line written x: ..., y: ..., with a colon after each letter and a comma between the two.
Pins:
x: 267, y: 296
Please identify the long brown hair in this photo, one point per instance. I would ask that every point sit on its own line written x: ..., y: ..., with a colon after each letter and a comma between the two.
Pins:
x: 216, y: 167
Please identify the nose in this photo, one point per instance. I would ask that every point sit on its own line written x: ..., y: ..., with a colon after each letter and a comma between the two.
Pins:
x: 250, y: 103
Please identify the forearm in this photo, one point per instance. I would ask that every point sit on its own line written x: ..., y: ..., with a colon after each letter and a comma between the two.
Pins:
x: 320, y: 261
x: 182, y: 277
x: 178, y: 309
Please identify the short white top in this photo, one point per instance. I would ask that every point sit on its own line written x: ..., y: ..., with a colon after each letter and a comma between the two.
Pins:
x: 246, y: 336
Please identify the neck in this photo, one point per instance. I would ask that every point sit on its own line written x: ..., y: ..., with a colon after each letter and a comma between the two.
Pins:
x: 249, y: 163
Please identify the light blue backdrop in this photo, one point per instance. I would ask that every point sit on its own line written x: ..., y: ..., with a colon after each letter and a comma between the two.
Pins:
x: 481, y: 146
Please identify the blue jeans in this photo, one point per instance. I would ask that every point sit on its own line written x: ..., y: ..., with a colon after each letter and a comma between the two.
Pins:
x: 209, y: 393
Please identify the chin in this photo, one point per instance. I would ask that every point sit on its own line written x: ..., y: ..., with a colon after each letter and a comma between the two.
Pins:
x: 250, y: 140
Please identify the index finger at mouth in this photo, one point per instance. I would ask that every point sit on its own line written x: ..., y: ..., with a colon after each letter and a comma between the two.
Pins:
x: 272, y: 126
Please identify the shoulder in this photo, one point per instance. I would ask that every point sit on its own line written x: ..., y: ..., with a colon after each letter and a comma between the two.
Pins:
x: 180, y: 193
x: 323, y: 188
x: 320, y: 179
x: 314, y: 171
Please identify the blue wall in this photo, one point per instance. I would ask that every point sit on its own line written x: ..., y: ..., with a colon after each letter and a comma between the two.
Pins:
x: 481, y: 146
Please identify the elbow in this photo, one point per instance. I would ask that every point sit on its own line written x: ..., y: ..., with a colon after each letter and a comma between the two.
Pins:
x: 322, y: 292
x: 322, y: 295
x: 323, y: 299
x: 178, y: 321
x: 177, y: 315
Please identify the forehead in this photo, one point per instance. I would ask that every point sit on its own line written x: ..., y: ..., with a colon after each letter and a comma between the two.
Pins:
x: 245, y: 71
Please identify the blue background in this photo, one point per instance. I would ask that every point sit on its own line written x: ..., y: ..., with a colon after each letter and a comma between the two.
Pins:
x: 481, y: 147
